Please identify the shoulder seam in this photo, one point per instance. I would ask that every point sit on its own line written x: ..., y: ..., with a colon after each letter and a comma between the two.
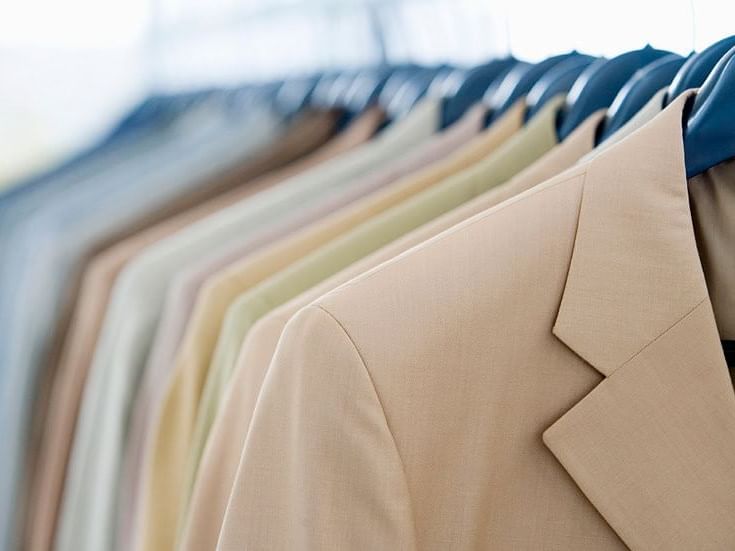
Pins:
x: 380, y: 403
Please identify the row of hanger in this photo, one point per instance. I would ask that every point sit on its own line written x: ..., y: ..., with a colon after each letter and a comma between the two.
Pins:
x: 622, y: 84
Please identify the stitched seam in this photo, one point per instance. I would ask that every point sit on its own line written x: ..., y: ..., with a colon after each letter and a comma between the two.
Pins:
x: 382, y: 408
x: 658, y: 337
x: 580, y: 206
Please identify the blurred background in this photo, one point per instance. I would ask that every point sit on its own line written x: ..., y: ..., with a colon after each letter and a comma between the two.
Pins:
x: 71, y: 68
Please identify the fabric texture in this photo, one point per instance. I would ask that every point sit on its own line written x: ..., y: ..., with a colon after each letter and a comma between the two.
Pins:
x: 169, y: 450
x: 89, y: 505
x: 216, y: 475
x: 520, y: 150
x: 546, y: 374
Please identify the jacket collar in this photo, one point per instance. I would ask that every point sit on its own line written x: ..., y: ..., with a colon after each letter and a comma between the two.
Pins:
x: 635, y: 269
x: 652, y: 446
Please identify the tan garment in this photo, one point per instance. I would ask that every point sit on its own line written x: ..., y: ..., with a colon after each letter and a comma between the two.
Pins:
x: 84, y: 326
x: 545, y: 375
x: 222, y: 455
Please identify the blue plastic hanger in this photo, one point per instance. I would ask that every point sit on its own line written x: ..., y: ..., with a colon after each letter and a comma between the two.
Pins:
x: 330, y: 93
x: 338, y: 92
x: 519, y: 80
x: 399, y: 77
x: 709, y: 138
x: 241, y: 96
x: 464, y: 88
x: 413, y: 89
x: 698, y: 67
x: 366, y: 88
x: 443, y: 83
x: 557, y: 80
x: 638, y: 91
x: 598, y: 85
x: 295, y: 94
x: 244, y: 97
x: 397, y: 80
x: 321, y: 94
x: 269, y: 89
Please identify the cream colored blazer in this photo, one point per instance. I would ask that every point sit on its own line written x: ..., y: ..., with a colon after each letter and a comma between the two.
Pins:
x: 546, y: 375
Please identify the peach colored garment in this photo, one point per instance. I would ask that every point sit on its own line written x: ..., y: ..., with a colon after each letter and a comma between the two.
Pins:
x: 222, y: 454
x: 75, y: 358
x: 545, y: 375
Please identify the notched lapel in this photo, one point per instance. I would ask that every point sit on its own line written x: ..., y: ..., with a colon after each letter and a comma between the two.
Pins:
x: 634, y: 270
x: 653, y: 445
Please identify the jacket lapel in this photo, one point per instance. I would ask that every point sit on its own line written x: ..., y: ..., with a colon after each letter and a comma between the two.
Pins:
x: 653, y: 445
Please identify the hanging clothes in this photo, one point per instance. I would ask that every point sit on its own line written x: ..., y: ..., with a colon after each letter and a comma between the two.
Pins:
x: 300, y: 244
x: 424, y: 385
x: 88, y: 508
x: 48, y: 228
x: 72, y: 361
x: 167, y: 339
x: 316, y: 315
x: 221, y: 455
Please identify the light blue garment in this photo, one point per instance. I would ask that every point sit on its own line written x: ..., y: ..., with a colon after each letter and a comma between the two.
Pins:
x: 15, y: 206
x: 47, y: 231
x: 151, y: 115
x: 21, y: 203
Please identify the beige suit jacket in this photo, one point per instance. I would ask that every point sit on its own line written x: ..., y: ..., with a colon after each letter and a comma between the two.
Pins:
x: 546, y: 375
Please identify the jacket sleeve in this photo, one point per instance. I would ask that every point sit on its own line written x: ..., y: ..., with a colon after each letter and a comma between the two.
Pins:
x: 319, y: 469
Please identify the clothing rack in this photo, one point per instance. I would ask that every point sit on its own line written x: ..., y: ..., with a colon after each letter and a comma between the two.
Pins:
x: 381, y: 304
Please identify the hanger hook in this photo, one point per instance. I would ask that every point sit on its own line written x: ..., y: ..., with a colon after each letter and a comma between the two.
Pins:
x: 693, y: 10
x: 508, y: 26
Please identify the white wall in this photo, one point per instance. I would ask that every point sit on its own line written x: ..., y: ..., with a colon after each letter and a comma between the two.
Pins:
x: 602, y: 28
x: 69, y: 67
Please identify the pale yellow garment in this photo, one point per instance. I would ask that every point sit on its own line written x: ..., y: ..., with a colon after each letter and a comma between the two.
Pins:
x: 175, y: 424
